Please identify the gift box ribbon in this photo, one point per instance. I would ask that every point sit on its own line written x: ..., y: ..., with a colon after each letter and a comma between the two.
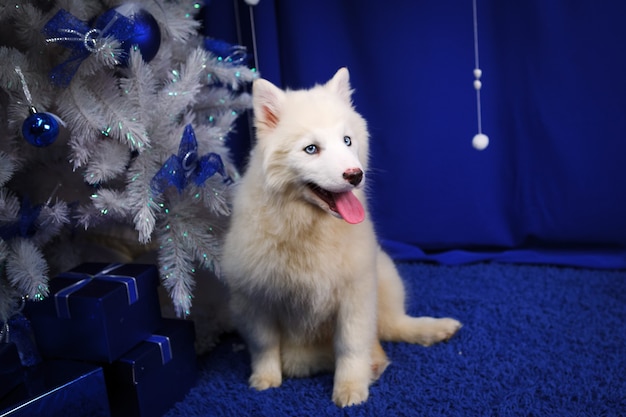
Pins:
x: 164, y: 345
x: 61, y: 298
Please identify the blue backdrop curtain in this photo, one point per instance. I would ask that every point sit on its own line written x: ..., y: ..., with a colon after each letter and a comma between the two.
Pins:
x: 551, y: 185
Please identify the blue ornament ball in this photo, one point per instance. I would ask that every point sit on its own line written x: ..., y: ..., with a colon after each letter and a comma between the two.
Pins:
x: 146, y: 35
x: 40, y: 129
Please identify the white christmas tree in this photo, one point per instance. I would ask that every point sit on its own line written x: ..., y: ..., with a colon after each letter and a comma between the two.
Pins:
x: 115, y: 117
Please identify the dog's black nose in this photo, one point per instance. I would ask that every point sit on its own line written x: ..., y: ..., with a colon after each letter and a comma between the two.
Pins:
x: 354, y: 176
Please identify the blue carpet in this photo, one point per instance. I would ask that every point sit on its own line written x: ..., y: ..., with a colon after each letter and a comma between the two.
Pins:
x: 536, y: 341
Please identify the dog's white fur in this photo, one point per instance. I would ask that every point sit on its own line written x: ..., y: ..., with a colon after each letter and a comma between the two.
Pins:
x: 309, y: 291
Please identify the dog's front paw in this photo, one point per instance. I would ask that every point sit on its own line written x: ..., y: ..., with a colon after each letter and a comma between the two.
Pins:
x: 264, y: 381
x: 350, y: 393
x: 440, y: 330
x: 448, y: 328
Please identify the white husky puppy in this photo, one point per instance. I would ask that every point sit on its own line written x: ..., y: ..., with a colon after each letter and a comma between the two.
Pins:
x: 310, y: 288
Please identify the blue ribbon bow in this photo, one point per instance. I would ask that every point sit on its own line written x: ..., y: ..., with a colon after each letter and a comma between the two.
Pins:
x: 18, y: 330
x: 179, y: 170
x: 75, y: 34
x: 225, y: 52
x: 26, y: 225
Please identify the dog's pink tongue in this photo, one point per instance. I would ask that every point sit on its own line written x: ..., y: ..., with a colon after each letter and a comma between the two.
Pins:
x: 349, y: 207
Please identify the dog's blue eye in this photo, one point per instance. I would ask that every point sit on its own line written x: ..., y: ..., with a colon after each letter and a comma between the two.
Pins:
x: 311, y: 149
x: 347, y: 140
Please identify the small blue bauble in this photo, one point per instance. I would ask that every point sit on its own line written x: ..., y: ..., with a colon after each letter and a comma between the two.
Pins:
x: 40, y: 129
x: 146, y: 33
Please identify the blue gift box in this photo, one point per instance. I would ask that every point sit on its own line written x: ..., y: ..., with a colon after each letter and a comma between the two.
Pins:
x: 149, y: 379
x: 11, y: 371
x: 58, y: 389
x: 96, y: 311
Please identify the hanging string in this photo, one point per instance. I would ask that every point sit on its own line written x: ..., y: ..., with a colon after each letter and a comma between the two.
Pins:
x: 29, y: 98
x: 252, y: 28
x: 251, y: 4
x: 480, y: 140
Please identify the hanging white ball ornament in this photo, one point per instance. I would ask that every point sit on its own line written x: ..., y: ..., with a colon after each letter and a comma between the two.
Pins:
x: 252, y: 2
x: 480, y: 141
x: 477, y: 85
x: 478, y: 73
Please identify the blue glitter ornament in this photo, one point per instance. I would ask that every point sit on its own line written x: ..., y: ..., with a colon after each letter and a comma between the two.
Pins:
x: 146, y: 34
x: 40, y: 129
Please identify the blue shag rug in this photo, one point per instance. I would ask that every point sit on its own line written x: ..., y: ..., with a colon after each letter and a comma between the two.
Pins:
x: 536, y: 341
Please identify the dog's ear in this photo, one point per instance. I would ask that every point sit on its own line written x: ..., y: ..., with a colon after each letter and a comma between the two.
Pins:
x: 340, y: 84
x: 267, y: 101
